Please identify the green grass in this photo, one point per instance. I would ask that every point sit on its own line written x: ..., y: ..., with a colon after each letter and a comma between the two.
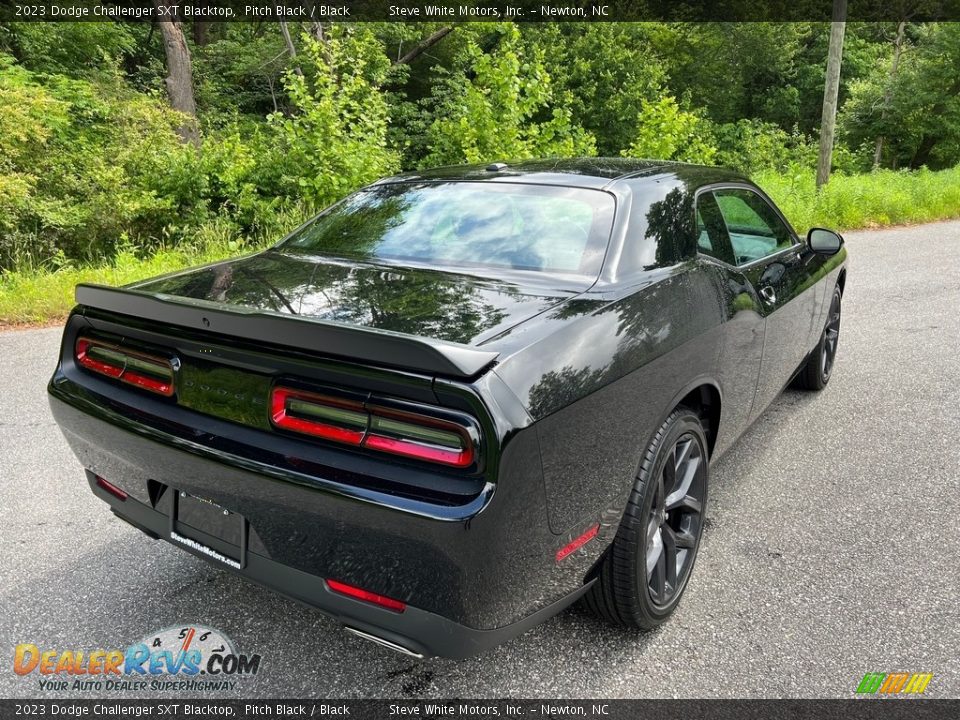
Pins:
x: 29, y: 297
x: 877, y: 199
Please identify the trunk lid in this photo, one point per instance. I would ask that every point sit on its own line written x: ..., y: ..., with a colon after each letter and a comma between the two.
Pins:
x: 445, y: 305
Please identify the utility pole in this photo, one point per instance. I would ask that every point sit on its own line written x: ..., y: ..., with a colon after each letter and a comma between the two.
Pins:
x: 831, y: 90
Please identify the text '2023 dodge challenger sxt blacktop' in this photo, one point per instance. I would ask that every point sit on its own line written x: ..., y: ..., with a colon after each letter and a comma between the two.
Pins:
x: 458, y: 400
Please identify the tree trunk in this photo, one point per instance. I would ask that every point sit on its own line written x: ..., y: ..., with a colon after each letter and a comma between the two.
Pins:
x: 922, y: 154
x: 831, y: 90
x: 420, y: 48
x: 321, y: 37
x: 179, y: 80
x: 291, y: 48
x: 888, y: 90
x: 201, y: 33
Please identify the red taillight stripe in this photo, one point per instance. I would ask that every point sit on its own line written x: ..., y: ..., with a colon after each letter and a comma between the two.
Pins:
x: 461, y: 458
x: 124, y: 374
x: 148, y: 383
x: 367, y: 596
x: 111, y: 488
x: 578, y: 543
x: 282, y: 417
x: 95, y: 365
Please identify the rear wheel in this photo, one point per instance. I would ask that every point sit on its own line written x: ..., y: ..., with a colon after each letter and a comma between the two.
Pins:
x: 645, y: 572
x: 816, y: 373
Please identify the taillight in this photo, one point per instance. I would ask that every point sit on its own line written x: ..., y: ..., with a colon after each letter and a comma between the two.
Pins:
x: 319, y: 415
x: 132, y: 367
x: 419, y: 436
x: 399, y: 432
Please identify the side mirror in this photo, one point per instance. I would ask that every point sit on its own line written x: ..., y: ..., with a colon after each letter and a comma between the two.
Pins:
x: 824, y: 242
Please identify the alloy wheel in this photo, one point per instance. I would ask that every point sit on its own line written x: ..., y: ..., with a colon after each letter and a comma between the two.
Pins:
x: 831, y: 338
x: 675, y: 520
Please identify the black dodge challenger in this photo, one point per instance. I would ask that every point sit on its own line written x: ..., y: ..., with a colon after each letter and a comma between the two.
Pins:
x: 458, y: 400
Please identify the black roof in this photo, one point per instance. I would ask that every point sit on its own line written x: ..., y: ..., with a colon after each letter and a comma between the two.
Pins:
x: 591, y: 172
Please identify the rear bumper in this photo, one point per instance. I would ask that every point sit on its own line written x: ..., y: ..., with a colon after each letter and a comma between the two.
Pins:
x: 472, y: 576
x: 414, y: 631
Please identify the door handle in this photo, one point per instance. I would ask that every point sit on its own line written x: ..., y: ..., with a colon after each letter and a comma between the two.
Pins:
x: 767, y: 293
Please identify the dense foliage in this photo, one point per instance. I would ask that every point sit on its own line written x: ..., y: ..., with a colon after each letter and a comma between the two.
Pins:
x: 92, y: 167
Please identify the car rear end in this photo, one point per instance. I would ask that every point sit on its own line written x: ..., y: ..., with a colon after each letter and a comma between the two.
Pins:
x: 406, y: 504
x: 325, y: 417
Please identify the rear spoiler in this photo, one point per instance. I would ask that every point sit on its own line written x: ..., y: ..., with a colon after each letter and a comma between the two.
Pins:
x: 380, y: 347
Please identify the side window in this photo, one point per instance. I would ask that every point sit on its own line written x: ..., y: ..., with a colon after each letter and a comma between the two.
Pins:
x: 754, y: 228
x: 703, y: 237
x: 712, y: 237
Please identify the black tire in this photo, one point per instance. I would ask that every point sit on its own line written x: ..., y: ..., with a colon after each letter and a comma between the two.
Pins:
x: 625, y: 593
x: 816, y: 372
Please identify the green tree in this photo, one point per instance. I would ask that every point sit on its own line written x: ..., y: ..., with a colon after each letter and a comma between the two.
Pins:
x: 665, y: 132
x: 502, y: 105
x: 607, y: 70
x: 76, y: 49
x: 918, y: 111
x: 737, y: 70
x: 335, y: 140
x: 92, y: 163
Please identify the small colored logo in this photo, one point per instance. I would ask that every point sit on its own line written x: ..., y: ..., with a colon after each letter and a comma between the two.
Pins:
x: 894, y: 683
x: 187, y: 652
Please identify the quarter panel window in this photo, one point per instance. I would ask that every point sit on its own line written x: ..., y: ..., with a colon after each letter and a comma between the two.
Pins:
x: 754, y: 228
x: 712, y: 238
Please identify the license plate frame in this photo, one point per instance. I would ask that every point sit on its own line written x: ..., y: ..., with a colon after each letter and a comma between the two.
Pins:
x: 208, y: 528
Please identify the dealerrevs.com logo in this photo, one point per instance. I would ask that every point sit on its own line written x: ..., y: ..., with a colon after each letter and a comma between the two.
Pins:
x: 180, y: 658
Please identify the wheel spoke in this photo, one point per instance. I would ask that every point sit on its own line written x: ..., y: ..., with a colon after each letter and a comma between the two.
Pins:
x: 685, y: 540
x: 687, y: 502
x: 654, y: 552
x: 652, y: 527
x: 682, y: 456
x: 687, y: 473
x: 832, y: 337
x: 666, y: 479
x: 659, y: 585
x: 670, y: 555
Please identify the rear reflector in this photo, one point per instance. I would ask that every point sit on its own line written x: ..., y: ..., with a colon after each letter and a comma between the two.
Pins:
x: 408, y: 434
x: 147, y: 372
x: 367, y: 596
x: 578, y: 543
x: 111, y: 488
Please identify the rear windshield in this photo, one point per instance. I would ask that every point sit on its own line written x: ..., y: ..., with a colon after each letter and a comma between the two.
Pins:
x: 496, y: 225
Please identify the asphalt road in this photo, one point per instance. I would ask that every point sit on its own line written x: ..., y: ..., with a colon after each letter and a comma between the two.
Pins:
x: 831, y: 550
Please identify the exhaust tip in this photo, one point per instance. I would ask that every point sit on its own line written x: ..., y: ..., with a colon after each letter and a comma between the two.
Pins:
x: 385, y: 643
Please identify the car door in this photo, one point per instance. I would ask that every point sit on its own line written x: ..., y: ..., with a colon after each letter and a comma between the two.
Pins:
x: 741, y: 350
x: 768, y: 253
